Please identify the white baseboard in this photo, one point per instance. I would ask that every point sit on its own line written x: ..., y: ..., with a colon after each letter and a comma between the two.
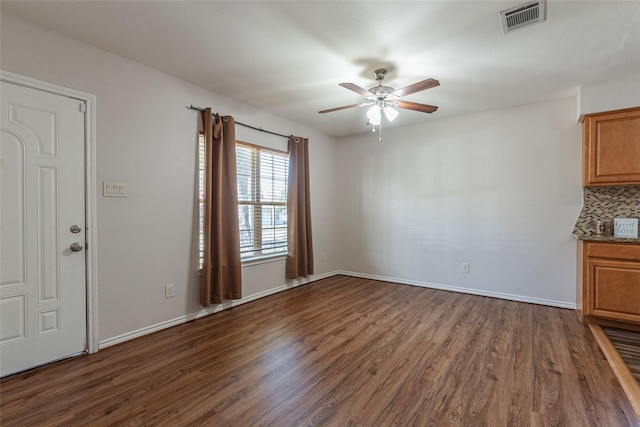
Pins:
x: 511, y: 297
x: 210, y: 310
x: 298, y: 282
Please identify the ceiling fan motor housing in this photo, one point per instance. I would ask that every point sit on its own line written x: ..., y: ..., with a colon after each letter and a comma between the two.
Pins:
x: 381, y: 92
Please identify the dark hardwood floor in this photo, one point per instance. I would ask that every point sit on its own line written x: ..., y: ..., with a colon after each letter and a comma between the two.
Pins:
x: 338, y: 352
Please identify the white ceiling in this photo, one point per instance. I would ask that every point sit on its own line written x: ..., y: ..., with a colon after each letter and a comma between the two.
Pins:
x: 287, y: 57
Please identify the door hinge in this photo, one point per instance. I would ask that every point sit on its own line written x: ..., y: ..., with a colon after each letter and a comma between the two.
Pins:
x: 83, y: 107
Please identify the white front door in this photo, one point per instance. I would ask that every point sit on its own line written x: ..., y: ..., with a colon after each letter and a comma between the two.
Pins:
x: 42, y: 215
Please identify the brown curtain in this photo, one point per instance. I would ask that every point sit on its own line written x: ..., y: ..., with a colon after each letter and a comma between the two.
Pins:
x: 221, y: 271
x: 300, y: 244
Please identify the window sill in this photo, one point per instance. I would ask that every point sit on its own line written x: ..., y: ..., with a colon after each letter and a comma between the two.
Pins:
x: 258, y: 260
x: 263, y: 259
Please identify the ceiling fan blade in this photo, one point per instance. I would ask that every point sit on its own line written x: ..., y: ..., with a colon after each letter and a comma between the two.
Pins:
x: 357, y: 89
x: 344, y: 108
x: 417, y: 87
x: 423, y: 108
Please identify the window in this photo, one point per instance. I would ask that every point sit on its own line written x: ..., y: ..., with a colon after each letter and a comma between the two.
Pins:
x: 201, y: 163
x: 262, y: 199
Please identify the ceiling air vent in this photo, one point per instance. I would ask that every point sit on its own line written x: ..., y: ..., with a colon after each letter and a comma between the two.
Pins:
x: 525, y: 14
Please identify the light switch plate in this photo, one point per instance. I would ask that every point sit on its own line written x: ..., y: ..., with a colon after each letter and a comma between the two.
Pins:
x: 114, y: 189
x: 625, y: 227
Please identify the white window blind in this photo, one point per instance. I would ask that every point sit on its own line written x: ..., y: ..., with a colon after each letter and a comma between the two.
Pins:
x: 262, y: 200
x: 201, y: 166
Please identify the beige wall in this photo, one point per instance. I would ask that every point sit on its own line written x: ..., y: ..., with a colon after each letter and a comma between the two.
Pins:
x: 147, y: 138
x: 500, y: 190
x: 615, y: 94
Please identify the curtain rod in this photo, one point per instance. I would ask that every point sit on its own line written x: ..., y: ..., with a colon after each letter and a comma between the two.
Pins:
x: 191, y: 107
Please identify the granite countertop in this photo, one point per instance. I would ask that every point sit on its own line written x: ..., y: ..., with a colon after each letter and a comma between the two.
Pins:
x: 602, y: 238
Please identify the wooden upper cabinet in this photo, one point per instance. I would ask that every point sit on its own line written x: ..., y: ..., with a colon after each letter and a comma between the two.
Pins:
x: 612, y: 148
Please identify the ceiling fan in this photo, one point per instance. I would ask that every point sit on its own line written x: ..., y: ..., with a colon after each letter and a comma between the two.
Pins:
x: 385, y: 99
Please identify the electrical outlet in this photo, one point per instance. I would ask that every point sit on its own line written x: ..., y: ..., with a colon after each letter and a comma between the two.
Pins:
x: 168, y: 291
x: 465, y: 267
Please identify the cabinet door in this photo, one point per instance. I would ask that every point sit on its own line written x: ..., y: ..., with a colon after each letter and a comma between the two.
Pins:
x: 612, y: 148
x: 614, y: 289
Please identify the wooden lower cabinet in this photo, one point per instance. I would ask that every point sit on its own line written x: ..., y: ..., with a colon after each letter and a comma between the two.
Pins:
x: 610, y: 279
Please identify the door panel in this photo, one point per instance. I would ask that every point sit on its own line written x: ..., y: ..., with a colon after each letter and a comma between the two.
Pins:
x: 13, y: 238
x: 42, y: 282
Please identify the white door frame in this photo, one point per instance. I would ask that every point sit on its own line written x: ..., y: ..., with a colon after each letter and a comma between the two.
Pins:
x: 91, y: 280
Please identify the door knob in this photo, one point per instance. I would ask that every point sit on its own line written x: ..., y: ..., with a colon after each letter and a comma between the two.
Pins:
x: 75, y: 247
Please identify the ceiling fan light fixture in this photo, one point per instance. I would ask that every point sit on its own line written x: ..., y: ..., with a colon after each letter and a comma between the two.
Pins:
x: 390, y: 113
x: 374, y: 115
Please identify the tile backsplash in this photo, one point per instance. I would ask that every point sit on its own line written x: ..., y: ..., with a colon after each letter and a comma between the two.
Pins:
x: 604, y: 204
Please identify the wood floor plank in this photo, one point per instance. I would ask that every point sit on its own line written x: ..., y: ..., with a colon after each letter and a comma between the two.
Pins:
x: 342, y: 351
